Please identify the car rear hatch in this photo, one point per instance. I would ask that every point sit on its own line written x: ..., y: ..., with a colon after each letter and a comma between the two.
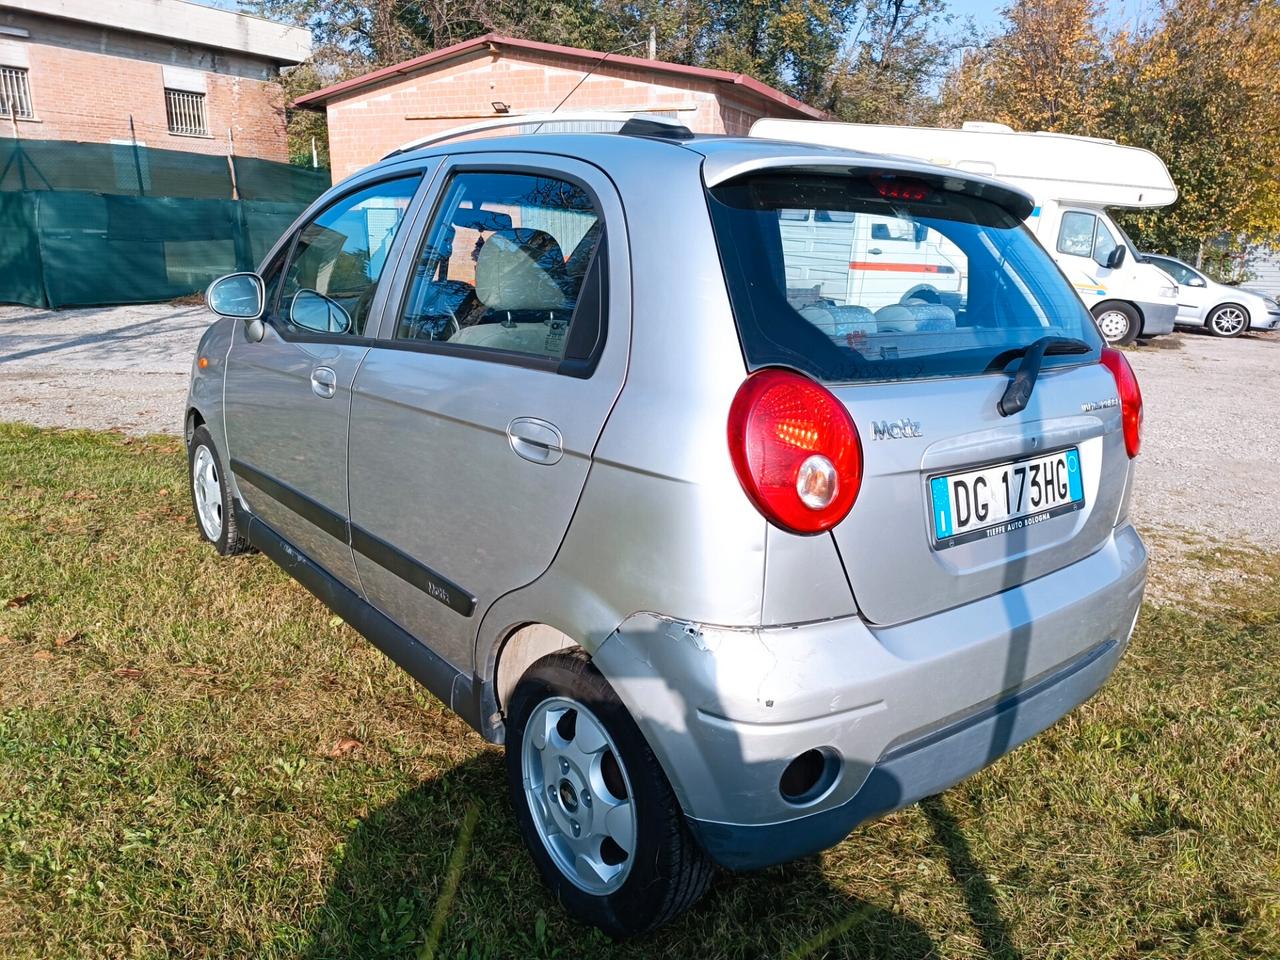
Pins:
x: 960, y: 499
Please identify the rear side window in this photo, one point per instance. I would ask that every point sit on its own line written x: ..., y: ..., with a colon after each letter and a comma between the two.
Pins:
x: 504, y: 265
x: 885, y: 284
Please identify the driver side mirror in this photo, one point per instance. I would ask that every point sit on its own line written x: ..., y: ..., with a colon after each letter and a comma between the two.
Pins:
x: 1113, y: 259
x: 314, y: 311
x: 242, y: 296
x: 1194, y: 281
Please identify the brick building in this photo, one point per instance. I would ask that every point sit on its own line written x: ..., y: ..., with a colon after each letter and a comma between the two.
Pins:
x: 191, y: 77
x: 493, y: 75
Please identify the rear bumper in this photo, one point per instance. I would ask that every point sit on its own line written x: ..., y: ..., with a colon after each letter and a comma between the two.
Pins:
x: 903, y: 712
x: 1157, y: 317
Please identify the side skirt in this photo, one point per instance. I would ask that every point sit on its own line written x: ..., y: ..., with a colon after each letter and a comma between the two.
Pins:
x: 461, y: 692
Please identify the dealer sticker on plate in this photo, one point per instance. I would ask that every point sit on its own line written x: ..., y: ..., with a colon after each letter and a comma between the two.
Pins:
x: 1005, y: 497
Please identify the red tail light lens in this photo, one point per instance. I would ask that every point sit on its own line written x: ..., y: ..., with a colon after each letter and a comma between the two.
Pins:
x: 796, y: 451
x: 1130, y: 398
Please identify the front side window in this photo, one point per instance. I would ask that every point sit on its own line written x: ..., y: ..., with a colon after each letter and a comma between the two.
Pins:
x: 186, y: 113
x: 1179, y: 271
x: 1075, y: 234
x: 333, y: 270
x: 503, y: 264
x: 15, y: 94
x: 1103, y: 243
x: 938, y: 283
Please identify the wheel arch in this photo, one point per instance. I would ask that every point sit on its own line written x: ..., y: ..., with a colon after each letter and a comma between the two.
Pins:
x: 519, y: 650
x: 194, y: 418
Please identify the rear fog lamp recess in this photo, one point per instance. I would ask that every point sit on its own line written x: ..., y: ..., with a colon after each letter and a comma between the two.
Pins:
x: 809, y: 775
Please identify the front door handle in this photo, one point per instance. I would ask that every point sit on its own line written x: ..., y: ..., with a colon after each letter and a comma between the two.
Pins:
x: 876, y: 251
x: 535, y: 440
x: 324, y: 382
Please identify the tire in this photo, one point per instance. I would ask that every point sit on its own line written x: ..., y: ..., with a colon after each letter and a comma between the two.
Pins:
x: 1119, y: 323
x: 1227, y: 320
x: 583, y: 724
x: 211, y: 496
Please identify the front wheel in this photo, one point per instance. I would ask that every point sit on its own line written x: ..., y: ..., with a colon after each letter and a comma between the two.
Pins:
x: 1228, y: 320
x: 596, y: 811
x: 1119, y: 322
x: 211, y: 496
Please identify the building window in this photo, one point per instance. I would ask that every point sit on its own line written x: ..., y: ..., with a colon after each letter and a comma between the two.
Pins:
x: 186, y: 113
x: 15, y: 93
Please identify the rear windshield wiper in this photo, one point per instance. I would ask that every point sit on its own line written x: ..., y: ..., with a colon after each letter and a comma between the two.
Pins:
x: 1018, y: 393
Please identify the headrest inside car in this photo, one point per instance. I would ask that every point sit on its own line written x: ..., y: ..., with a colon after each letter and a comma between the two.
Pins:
x: 521, y: 269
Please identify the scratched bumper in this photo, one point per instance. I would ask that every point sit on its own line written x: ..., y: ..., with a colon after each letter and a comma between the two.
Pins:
x: 905, y: 711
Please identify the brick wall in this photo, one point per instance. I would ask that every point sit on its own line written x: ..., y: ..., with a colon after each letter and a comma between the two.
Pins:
x: 369, y: 123
x: 79, y: 95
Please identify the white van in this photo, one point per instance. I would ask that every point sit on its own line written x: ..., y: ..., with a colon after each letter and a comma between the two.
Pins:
x: 882, y: 252
x: 1073, y: 181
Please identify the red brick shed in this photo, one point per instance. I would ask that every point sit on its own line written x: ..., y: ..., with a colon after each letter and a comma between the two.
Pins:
x: 371, y: 115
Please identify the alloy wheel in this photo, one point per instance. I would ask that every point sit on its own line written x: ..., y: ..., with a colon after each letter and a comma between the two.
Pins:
x: 579, y: 795
x: 206, y: 481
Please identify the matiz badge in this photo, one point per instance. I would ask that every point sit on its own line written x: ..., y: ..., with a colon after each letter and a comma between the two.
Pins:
x: 895, y: 429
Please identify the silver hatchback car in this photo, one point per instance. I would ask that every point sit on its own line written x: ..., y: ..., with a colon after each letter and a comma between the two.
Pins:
x: 746, y: 491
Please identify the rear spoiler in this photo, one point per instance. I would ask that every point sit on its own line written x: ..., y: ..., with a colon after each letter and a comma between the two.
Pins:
x: 716, y: 171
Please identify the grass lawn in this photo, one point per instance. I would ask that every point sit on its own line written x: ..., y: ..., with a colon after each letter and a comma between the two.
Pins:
x: 197, y: 760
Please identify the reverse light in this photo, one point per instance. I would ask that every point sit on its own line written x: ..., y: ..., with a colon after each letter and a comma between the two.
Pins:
x: 1130, y: 398
x: 899, y: 188
x: 796, y: 451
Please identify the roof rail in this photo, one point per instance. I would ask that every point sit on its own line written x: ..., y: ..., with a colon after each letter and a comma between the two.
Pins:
x: 604, y: 121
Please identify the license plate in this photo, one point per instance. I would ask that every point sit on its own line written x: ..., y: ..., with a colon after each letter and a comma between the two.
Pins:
x: 1005, y: 497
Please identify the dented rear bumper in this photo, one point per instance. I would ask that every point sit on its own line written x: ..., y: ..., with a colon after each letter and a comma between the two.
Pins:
x: 903, y: 711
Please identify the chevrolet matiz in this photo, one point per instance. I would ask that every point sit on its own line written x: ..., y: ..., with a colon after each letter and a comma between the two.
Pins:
x: 733, y: 536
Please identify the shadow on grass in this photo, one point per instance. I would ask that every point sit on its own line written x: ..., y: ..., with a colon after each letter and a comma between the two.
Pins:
x: 392, y: 872
x: 979, y: 897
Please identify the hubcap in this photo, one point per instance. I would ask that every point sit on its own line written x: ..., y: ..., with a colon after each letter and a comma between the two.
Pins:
x: 579, y: 795
x: 206, y: 482
x: 1228, y: 320
x: 1113, y: 325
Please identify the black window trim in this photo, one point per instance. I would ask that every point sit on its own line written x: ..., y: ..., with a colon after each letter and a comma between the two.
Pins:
x: 597, y: 273
x: 286, y: 331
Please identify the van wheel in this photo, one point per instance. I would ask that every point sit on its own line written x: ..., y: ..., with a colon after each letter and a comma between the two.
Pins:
x: 1228, y: 320
x: 1118, y: 322
x: 211, y: 496
x: 593, y: 805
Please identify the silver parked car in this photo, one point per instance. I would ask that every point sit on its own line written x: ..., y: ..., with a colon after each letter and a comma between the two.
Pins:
x: 1223, y: 310
x: 733, y: 542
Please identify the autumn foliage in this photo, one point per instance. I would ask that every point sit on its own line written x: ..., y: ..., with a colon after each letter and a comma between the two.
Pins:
x: 1199, y: 84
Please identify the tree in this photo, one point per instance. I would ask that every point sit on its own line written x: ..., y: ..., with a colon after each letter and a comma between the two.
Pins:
x: 1202, y: 90
x: 897, y: 55
x: 1040, y: 73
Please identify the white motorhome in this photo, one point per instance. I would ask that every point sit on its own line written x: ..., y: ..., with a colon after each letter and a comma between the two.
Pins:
x: 1073, y: 181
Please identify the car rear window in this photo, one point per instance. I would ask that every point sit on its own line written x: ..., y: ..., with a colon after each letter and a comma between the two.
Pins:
x: 879, y: 277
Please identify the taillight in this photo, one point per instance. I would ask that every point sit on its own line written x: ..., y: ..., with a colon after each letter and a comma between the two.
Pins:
x: 1130, y: 398
x: 796, y: 451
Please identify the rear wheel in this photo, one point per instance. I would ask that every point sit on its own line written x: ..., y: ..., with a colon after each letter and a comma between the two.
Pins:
x: 1118, y: 322
x: 594, y: 807
x: 1228, y: 320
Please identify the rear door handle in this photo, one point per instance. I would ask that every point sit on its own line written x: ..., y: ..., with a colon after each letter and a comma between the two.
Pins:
x: 535, y: 440
x: 324, y: 382
x: 875, y: 250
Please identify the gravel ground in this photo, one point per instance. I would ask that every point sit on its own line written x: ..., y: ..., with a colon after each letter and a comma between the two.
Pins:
x: 1209, y: 437
x: 120, y: 368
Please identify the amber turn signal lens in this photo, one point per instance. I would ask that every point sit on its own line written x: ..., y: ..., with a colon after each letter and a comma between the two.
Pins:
x: 204, y: 362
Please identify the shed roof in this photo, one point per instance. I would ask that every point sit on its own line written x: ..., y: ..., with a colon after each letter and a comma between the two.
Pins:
x: 497, y: 42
